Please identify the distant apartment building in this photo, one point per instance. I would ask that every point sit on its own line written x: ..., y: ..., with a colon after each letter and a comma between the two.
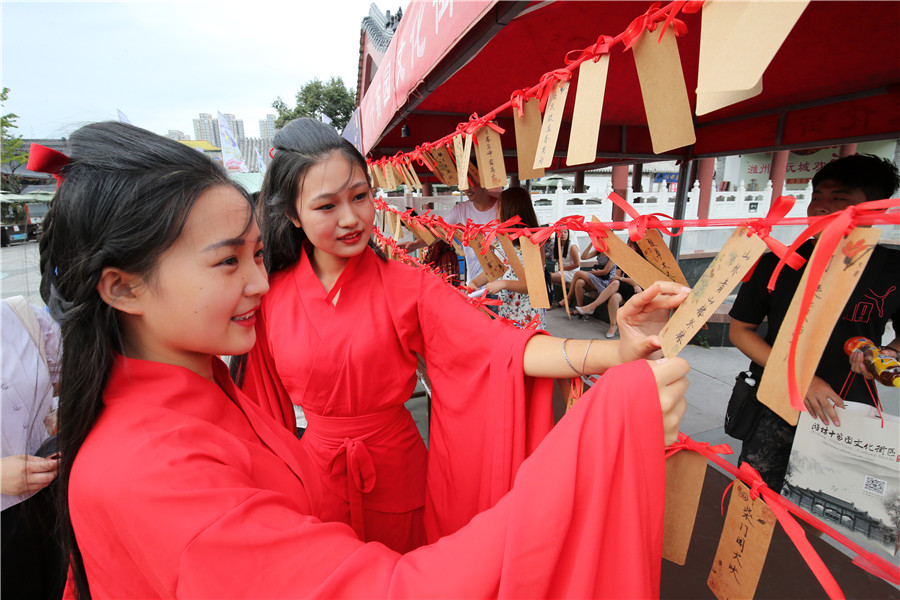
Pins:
x: 177, y: 135
x: 207, y: 128
x: 267, y: 127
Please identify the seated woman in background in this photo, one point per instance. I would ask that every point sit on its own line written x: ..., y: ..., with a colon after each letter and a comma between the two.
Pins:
x: 603, y: 281
x: 569, y: 262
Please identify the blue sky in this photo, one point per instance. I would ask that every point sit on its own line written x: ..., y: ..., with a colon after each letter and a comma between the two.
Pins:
x: 162, y: 63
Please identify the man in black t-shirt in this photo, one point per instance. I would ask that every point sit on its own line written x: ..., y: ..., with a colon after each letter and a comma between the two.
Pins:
x: 875, y: 300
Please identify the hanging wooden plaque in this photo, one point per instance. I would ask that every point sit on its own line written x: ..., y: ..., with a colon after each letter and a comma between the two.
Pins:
x: 588, y: 108
x: 736, y: 258
x: 528, y: 133
x: 743, y: 546
x: 837, y: 283
x: 553, y: 113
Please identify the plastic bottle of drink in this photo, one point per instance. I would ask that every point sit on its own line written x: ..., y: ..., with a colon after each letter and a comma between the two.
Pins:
x: 884, y: 368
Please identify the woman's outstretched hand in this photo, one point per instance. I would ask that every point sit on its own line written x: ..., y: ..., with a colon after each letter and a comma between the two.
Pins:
x: 643, y: 316
x: 672, y: 383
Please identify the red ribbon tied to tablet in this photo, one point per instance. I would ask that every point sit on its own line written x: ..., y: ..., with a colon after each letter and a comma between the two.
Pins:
x: 639, y: 224
x: 598, y: 49
x: 834, y: 228
x: 517, y: 100
x: 548, y: 81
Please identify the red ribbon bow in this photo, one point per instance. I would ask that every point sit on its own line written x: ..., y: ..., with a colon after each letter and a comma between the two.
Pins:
x: 598, y: 49
x: 650, y: 19
x: 637, y: 227
x: 517, y: 100
x: 42, y: 159
x: 548, y: 80
x: 781, y: 206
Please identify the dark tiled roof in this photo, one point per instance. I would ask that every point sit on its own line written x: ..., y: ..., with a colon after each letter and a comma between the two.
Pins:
x: 380, y: 27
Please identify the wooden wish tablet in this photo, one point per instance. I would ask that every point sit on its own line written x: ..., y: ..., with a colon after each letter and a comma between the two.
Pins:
x: 845, y: 266
x: 733, y: 261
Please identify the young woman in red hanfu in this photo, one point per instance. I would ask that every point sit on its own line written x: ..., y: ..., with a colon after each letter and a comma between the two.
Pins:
x: 175, y: 484
x: 339, y: 335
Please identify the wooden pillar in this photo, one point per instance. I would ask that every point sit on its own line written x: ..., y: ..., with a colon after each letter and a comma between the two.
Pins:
x: 776, y: 172
x: 637, y: 178
x: 684, y: 172
x: 427, y: 190
x: 847, y: 150
x: 579, y: 182
x: 620, y: 186
x: 705, y: 173
x: 513, y: 181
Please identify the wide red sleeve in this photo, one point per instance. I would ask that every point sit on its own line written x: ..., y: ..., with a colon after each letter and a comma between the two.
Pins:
x: 583, y: 520
x: 261, y: 382
x: 487, y: 416
x: 215, y: 515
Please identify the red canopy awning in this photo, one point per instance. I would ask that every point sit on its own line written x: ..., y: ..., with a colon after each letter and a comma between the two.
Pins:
x: 834, y: 80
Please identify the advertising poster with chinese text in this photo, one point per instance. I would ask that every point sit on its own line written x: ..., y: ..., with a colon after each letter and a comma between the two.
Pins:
x: 849, y: 476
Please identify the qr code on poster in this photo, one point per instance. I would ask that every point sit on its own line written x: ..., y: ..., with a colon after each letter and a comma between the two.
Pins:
x: 875, y: 486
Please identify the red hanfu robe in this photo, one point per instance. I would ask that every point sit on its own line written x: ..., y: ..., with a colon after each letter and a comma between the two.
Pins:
x: 185, y: 488
x: 351, y: 365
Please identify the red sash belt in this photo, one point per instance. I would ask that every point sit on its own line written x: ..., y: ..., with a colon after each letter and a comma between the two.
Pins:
x: 347, y: 436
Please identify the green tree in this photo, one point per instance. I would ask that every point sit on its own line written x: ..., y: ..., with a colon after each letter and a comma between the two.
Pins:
x: 317, y: 99
x: 12, y: 152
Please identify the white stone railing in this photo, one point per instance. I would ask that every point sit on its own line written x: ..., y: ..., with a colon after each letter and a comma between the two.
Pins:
x: 734, y: 204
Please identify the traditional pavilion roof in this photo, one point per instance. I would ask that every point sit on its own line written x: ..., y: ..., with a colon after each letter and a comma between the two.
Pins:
x: 378, y: 30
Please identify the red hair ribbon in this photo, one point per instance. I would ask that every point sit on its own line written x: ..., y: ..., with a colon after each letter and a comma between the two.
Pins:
x: 600, y: 47
x: 272, y: 152
x: 548, y: 80
x: 42, y: 159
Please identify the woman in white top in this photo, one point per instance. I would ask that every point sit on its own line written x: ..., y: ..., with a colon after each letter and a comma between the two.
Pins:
x: 32, y: 560
x: 569, y: 262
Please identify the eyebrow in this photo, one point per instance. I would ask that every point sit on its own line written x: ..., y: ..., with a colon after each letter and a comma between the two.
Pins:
x: 232, y: 242
x: 327, y: 195
x: 838, y: 189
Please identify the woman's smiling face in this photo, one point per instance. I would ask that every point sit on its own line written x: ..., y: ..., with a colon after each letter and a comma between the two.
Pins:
x: 335, y: 207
